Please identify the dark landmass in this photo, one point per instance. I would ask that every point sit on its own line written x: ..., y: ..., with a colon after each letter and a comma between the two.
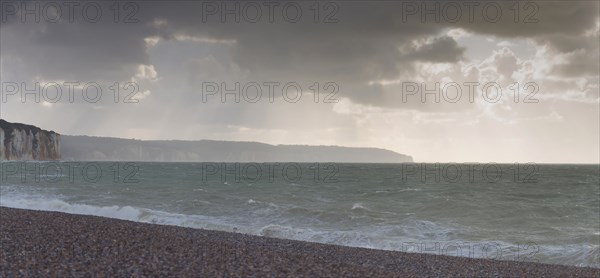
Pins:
x: 86, y: 148
x: 53, y: 244
x: 27, y: 142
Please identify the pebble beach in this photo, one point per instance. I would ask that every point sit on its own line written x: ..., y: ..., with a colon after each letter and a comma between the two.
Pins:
x: 54, y: 244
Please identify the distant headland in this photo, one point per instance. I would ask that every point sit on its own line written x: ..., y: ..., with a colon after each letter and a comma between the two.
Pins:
x: 26, y: 142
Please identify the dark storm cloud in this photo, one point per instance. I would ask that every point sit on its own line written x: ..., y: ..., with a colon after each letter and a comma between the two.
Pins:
x: 80, y: 50
x: 369, y: 41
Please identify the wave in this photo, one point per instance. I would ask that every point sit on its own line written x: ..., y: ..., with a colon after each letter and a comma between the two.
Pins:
x: 414, y: 235
x: 130, y: 213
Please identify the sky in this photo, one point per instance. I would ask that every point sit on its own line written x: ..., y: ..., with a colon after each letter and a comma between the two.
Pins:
x: 485, y: 82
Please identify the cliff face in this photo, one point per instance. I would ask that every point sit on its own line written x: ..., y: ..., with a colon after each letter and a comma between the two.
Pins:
x: 27, y: 142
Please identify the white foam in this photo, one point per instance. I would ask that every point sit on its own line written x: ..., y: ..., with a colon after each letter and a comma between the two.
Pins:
x: 51, y: 203
x: 358, y: 206
x: 401, y: 237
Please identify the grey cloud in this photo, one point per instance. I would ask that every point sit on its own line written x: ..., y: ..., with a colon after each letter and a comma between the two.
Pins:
x: 363, y: 46
x: 79, y: 50
x: 580, y: 63
x: 440, y: 50
x: 535, y: 18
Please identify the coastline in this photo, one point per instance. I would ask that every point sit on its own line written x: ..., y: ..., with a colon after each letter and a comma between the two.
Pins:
x: 41, y: 243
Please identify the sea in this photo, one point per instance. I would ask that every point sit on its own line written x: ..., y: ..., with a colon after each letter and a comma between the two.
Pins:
x: 521, y: 212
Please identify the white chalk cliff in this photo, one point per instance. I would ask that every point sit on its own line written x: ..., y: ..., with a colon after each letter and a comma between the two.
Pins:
x: 27, y: 142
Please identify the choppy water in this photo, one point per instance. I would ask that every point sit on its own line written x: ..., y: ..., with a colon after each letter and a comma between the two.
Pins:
x: 543, y: 213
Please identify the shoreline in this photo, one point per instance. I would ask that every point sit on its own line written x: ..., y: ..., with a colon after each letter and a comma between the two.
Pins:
x: 42, y: 243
